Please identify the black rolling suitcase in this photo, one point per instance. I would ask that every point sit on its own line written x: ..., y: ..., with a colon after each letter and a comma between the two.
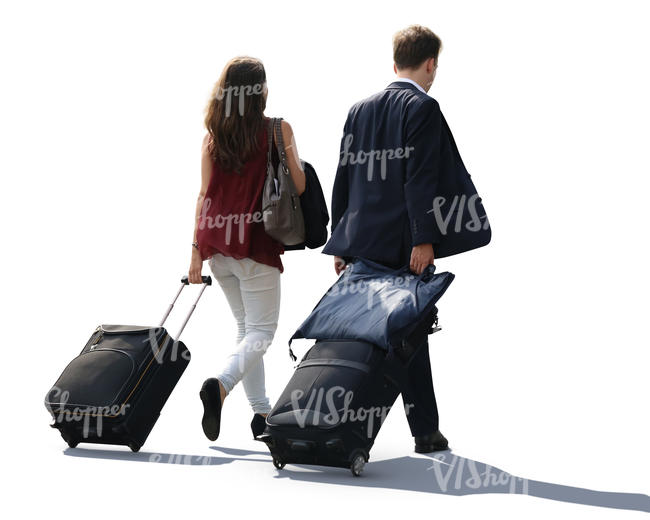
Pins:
x: 333, y: 406
x: 114, y: 390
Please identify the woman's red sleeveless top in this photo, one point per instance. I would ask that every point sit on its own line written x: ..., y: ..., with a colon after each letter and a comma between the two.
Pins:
x: 231, y: 219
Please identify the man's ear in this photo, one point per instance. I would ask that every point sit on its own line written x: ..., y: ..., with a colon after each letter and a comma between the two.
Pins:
x: 395, y: 68
x: 431, y: 63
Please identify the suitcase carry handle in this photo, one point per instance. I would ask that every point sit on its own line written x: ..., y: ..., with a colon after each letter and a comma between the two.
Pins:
x: 207, y: 280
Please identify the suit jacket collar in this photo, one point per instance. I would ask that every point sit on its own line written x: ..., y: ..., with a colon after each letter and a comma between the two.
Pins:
x: 403, y: 84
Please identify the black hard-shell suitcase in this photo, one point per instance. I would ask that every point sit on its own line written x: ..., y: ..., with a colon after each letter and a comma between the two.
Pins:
x: 114, y: 390
x: 331, y: 410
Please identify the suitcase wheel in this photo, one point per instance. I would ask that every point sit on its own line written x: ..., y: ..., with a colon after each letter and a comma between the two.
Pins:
x: 134, y: 446
x: 358, y: 460
x: 278, y: 463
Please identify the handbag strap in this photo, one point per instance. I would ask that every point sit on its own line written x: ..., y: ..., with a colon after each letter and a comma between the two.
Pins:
x: 269, y: 140
x: 275, y: 127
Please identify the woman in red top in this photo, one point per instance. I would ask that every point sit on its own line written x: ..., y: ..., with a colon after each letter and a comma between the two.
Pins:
x: 229, y: 232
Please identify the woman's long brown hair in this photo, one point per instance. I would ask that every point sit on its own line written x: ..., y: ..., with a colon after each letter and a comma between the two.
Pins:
x: 235, y: 114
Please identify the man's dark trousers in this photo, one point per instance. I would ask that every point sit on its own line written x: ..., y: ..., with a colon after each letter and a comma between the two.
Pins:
x: 418, y: 396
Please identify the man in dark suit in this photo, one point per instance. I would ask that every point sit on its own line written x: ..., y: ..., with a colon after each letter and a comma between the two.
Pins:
x: 394, y: 153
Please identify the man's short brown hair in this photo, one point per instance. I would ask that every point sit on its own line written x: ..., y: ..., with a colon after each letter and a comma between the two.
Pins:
x: 414, y: 45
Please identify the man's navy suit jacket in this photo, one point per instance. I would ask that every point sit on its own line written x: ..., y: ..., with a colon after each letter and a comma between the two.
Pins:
x: 398, y: 155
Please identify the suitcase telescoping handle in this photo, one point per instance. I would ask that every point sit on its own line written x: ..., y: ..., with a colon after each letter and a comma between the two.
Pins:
x: 184, y: 281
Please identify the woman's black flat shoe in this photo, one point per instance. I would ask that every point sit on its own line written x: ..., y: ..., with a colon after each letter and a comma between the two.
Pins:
x: 210, y: 395
x: 258, y: 424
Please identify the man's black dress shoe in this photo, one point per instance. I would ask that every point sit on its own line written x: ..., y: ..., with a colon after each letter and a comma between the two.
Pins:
x: 429, y: 443
x: 210, y: 395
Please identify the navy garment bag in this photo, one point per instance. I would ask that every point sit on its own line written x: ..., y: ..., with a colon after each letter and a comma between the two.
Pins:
x: 374, y: 303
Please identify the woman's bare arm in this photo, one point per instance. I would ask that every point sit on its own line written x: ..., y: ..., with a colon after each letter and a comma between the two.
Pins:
x: 293, y: 159
x: 206, y: 173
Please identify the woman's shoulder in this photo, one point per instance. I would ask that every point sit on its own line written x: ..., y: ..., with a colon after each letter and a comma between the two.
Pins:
x: 285, y: 127
x: 206, y: 144
x: 283, y: 122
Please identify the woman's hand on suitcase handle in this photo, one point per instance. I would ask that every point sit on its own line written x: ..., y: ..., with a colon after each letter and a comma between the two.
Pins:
x: 196, y: 265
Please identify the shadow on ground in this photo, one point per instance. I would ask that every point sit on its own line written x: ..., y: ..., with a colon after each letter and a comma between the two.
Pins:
x: 442, y: 473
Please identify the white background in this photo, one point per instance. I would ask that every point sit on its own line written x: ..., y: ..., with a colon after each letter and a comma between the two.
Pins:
x: 541, y: 369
